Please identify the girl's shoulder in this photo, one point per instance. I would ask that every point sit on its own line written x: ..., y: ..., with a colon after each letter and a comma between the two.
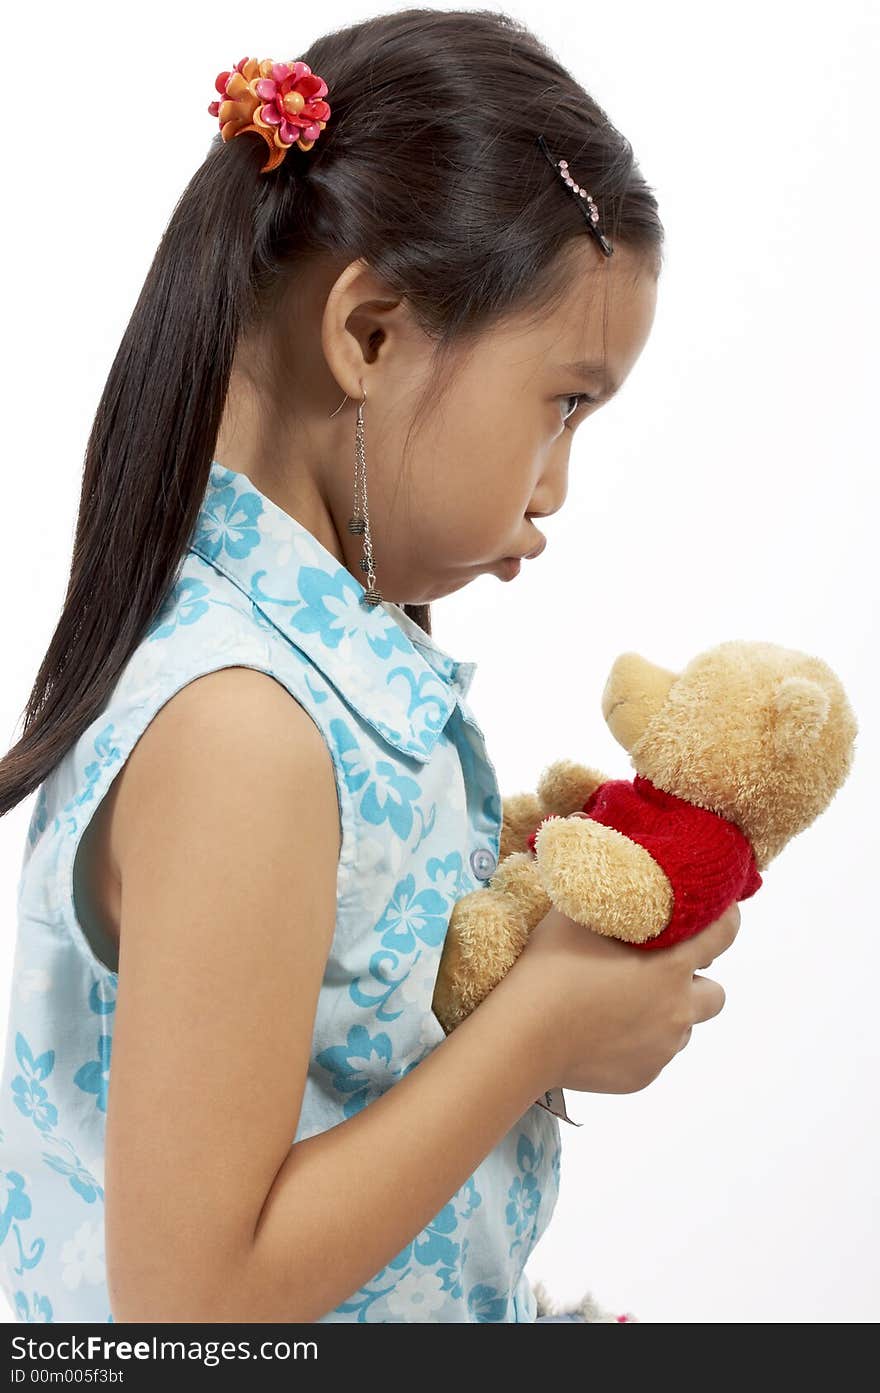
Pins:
x: 385, y: 669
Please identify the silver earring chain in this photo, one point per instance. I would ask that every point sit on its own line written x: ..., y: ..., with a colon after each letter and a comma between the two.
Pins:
x: 359, y: 522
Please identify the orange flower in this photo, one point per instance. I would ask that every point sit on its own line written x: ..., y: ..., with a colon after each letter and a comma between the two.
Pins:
x: 283, y: 102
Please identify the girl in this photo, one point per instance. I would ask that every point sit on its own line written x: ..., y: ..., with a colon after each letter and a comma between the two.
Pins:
x: 260, y: 785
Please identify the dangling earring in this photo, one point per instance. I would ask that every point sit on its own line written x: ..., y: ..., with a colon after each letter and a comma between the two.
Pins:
x: 359, y: 522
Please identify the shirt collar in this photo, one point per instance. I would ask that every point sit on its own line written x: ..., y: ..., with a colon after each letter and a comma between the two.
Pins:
x: 380, y: 661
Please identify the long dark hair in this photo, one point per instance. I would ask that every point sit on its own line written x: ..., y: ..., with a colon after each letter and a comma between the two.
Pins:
x: 429, y: 169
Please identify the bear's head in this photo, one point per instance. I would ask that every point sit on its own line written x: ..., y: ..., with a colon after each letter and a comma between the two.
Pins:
x: 761, y: 734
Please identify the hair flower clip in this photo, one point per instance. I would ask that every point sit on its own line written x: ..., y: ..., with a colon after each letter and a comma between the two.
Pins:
x: 281, y: 101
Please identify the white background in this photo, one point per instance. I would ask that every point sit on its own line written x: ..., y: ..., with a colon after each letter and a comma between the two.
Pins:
x: 728, y: 492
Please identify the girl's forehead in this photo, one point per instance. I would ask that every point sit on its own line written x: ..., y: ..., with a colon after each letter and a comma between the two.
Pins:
x: 599, y: 327
x: 620, y: 294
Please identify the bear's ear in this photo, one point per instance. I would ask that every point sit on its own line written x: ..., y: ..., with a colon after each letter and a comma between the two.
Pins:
x: 802, y: 708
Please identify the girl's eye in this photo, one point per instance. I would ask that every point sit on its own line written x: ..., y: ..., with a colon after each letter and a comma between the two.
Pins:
x: 577, y: 397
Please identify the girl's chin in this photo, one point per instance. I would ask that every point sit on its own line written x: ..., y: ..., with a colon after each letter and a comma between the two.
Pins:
x: 509, y: 567
x: 504, y: 569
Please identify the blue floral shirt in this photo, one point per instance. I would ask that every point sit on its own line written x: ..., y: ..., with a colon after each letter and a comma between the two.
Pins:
x: 420, y: 819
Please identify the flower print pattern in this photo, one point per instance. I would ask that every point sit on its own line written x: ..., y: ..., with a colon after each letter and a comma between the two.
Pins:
x: 185, y: 605
x: 425, y: 691
x: 17, y: 1209
x: 34, y: 1102
x: 380, y: 857
x: 107, y: 752
x: 410, y: 921
x: 422, y: 1298
x: 362, y: 1068
x: 30, y: 1097
x: 33, y: 1308
x: 39, y: 817
x: 385, y: 793
x: 94, y: 1075
x: 275, y: 532
x: 467, y: 1199
x: 416, y: 993
x: 524, y: 1195
x: 78, y: 1175
x: 102, y: 994
x: 427, y: 826
x: 381, y: 961
x: 82, y: 1256
x: 413, y: 915
x: 15, y: 1201
x: 485, y: 1303
x: 445, y: 872
x: 332, y: 608
x: 434, y: 1260
x: 417, y: 795
x: 189, y: 600
x: 417, y: 987
x: 227, y: 524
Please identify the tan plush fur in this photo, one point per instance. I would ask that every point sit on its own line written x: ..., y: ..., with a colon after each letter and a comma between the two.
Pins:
x: 763, y: 735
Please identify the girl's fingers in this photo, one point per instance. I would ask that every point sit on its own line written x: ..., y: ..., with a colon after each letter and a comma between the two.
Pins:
x: 708, y: 998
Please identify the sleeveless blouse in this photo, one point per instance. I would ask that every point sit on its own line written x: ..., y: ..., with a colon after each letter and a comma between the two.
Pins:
x: 420, y: 819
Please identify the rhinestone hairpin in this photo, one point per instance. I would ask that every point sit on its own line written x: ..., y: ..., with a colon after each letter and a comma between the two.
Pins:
x: 585, y: 202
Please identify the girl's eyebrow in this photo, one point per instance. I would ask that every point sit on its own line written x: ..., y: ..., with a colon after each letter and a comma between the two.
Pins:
x: 583, y: 368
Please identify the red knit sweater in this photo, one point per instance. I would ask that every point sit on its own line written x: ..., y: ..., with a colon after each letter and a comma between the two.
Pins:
x: 709, y: 860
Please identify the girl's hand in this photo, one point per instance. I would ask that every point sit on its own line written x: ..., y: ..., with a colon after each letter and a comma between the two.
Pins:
x: 616, y: 1015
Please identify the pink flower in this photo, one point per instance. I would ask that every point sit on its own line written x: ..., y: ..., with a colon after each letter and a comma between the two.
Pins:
x: 281, y: 101
x: 292, y: 102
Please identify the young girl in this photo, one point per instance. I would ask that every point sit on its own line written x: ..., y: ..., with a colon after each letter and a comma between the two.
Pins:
x: 260, y: 786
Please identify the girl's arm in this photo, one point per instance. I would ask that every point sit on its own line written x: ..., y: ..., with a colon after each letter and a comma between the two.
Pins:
x: 346, y: 1201
x: 226, y: 835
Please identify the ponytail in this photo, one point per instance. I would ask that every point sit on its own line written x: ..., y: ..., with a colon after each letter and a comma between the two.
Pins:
x: 148, y: 457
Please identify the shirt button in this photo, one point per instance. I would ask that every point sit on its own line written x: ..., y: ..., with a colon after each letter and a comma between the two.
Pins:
x: 483, y: 863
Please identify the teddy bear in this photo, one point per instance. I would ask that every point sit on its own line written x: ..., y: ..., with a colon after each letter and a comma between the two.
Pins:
x: 734, y: 755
